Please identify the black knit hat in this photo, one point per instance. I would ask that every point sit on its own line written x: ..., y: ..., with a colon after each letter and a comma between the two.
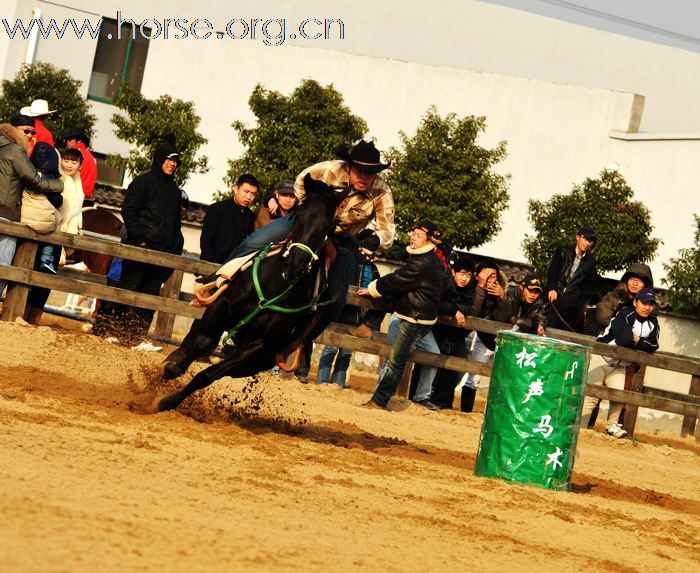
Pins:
x: 20, y: 120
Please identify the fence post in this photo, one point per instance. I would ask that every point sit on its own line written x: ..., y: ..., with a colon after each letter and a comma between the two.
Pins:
x: 171, y: 289
x: 631, y: 411
x: 405, y: 382
x: 688, y: 428
x: 15, y: 303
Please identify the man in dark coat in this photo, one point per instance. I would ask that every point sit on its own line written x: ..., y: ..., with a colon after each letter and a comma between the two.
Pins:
x: 228, y: 222
x: 417, y: 287
x: 151, y: 213
x: 16, y: 173
x: 457, y: 297
x: 523, y: 307
x: 571, y: 282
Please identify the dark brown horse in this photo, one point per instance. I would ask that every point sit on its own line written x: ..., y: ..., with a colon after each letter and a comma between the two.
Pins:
x: 260, y: 304
x: 104, y: 222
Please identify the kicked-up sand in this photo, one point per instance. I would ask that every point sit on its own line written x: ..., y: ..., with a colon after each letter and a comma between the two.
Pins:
x: 267, y: 474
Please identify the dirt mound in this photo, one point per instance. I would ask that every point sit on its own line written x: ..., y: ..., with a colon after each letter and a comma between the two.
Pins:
x: 267, y: 474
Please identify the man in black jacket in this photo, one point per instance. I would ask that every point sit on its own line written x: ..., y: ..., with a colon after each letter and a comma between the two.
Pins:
x: 228, y: 222
x: 571, y: 282
x: 523, y: 307
x: 151, y: 213
x: 417, y: 287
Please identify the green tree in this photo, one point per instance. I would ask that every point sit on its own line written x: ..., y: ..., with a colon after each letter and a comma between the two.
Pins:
x: 149, y: 122
x: 292, y: 133
x: 55, y: 85
x: 442, y: 174
x: 623, y: 226
x: 683, y: 277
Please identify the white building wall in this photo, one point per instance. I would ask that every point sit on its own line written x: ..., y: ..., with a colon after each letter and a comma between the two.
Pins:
x: 557, y: 134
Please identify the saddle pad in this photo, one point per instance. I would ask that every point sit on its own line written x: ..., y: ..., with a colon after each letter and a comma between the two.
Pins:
x: 230, y: 268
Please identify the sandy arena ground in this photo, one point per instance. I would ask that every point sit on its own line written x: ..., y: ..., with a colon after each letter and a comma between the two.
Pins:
x: 274, y: 475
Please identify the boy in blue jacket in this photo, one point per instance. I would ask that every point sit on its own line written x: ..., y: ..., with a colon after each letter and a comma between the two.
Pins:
x: 632, y: 327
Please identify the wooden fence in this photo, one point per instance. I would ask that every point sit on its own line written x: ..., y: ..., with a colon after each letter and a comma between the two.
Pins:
x: 170, y: 303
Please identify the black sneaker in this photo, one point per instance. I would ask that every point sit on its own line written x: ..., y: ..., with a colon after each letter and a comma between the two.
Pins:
x: 428, y: 404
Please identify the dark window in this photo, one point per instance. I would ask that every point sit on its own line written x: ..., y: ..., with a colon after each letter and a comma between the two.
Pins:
x: 106, y: 173
x: 119, y: 59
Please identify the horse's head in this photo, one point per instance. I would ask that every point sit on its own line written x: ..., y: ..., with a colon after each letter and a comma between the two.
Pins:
x: 313, y: 223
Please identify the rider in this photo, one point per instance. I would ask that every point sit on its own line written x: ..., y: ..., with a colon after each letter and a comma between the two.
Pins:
x: 369, y: 198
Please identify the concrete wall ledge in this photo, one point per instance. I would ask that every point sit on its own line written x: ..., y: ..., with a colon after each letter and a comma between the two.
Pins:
x: 624, y: 136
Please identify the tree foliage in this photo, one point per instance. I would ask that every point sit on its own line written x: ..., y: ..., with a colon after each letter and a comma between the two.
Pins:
x: 149, y: 122
x: 57, y: 87
x: 292, y: 133
x: 442, y: 174
x: 683, y: 277
x: 623, y: 226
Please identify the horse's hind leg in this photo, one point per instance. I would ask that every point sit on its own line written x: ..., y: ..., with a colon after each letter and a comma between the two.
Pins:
x: 241, y: 363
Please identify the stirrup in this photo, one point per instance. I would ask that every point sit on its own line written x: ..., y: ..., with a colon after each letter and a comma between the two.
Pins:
x: 202, y: 296
x: 289, y: 362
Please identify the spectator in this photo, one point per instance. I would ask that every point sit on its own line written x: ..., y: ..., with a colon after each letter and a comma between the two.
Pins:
x: 151, y: 213
x: 523, y: 307
x: 458, y: 299
x: 40, y: 211
x: 39, y: 110
x: 107, y: 312
x: 283, y: 202
x: 416, y: 287
x: 77, y: 138
x: 632, y: 327
x: 488, y: 293
x: 228, y: 222
x: 636, y: 277
x: 69, y: 218
x: 27, y: 126
x: 363, y: 272
x: 571, y: 282
x: 16, y: 173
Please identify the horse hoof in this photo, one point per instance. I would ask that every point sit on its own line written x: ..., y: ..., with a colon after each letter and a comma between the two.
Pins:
x: 163, y: 404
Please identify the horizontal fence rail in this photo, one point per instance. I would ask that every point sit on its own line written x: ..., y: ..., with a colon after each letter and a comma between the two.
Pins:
x: 170, y: 303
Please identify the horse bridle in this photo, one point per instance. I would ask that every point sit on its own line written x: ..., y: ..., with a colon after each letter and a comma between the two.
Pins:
x: 304, y: 247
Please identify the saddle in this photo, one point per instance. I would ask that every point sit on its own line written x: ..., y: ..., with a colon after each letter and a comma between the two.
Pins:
x: 205, y: 295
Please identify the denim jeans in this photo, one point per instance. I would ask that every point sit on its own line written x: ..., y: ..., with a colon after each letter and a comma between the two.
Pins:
x: 427, y: 373
x: 273, y: 232
x: 407, y: 336
x: 480, y: 354
x: 8, y: 245
x: 342, y: 362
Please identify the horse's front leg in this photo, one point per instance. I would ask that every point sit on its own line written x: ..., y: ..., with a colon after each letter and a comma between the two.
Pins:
x: 239, y: 363
x: 201, y: 340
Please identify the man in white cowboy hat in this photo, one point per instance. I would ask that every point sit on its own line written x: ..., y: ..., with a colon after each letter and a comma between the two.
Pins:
x: 39, y: 110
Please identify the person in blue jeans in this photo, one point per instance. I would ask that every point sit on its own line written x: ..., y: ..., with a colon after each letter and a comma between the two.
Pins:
x: 363, y: 271
x: 416, y: 288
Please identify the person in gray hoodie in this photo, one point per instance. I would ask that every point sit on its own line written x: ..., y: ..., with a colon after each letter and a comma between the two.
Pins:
x: 16, y: 174
x: 636, y: 277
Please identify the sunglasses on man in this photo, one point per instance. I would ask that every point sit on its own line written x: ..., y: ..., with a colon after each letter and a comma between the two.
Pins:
x: 28, y: 131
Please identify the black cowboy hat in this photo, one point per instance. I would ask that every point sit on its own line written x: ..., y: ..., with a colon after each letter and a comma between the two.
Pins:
x: 76, y: 133
x: 364, y: 156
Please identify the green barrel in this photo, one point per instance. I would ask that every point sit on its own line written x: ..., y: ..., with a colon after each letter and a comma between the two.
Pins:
x: 533, y: 410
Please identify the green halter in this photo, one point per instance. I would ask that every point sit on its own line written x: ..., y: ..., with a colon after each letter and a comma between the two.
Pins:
x: 269, y: 304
